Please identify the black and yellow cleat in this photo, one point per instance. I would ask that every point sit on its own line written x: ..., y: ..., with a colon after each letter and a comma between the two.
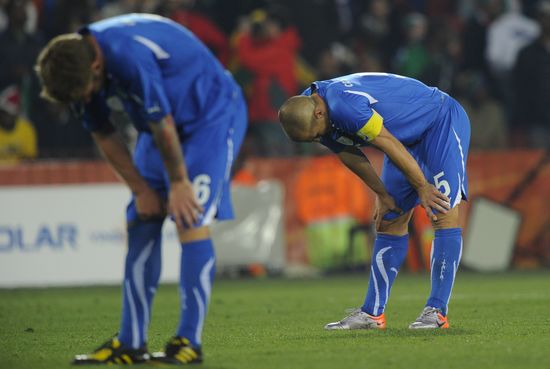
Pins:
x: 178, y: 351
x: 112, y: 352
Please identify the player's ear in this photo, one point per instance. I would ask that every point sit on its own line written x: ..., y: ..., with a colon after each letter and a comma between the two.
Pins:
x: 318, y: 112
x: 96, y: 66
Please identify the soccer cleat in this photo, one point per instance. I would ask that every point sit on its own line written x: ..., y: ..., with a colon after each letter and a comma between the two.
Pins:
x: 358, y: 319
x: 178, y: 351
x: 430, y: 318
x: 112, y: 352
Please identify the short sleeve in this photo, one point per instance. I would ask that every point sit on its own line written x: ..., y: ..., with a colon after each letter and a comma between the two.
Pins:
x: 138, y: 69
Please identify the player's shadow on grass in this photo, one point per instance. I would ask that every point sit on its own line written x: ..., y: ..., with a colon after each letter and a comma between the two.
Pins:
x: 395, y: 332
x: 167, y: 366
x: 406, y: 332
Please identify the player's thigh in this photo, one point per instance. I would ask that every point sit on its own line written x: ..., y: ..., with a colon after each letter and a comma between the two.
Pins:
x: 209, y: 156
x: 444, y: 153
x: 451, y: 219
x: 193, y: 234
x: 150, y: 166
x: 399, y: 188
x: 397, y: 227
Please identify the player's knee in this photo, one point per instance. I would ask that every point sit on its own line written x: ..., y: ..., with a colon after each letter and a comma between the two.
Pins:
x: 193, y: 234
x: 448, y: 220
x: 395, y: 227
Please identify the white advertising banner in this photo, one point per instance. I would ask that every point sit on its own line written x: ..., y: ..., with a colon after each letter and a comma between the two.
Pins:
x: 75, y: 234
x: 69, y: 235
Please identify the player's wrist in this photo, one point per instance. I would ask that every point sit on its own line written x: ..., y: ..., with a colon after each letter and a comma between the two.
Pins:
x: 180, y: 183
x: 140, y: 189
x: 421, y: 185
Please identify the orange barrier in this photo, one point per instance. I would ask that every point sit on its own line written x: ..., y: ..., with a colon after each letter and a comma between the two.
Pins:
x: 326, y: 189
x: 317, y: 188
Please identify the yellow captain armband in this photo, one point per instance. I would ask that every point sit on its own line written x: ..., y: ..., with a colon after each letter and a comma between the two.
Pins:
x: 372, y: 128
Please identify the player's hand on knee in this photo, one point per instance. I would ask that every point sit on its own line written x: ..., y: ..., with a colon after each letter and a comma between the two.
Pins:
x: 384, y: 205
x: 183, y: 204
x: 433, y: 200
x: 149, y: 204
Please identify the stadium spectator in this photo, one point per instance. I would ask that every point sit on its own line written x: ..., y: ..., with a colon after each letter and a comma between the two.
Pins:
x: 379, y: 32
x: 181, y: 100
x: 413, y: 59
x: 506, y: 35
x: 489, y: 128
x: 474, y: 36
x: 532, y: 85
x: 119, y: 7
x: 31, y: 16
x: 267, y: 49
x: 19, y: 47
x: 335, y: 61
x: 62, y: 16
x: 201, y: 25
x: 371, y: 30
x: 445, y: 50
x: 17, y: 135
x: 424, y: 134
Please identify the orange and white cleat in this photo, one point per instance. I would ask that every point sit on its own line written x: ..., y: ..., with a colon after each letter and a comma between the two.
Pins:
x: 430, y: 318
x: 358, y: 319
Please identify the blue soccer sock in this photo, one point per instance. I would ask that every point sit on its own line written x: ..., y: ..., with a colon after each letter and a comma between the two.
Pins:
x: 388, y: 255
x: 141, y: 277
x: 197, y: 275
x: 446, y: 253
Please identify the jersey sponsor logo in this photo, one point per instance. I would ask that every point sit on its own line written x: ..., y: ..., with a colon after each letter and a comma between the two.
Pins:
x: 159, y: 52
x: 372, y: 128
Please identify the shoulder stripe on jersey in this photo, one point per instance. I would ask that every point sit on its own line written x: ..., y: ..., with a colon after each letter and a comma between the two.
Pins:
x: 372, y: 128
x: 154, y: 47
x: 372, y: 100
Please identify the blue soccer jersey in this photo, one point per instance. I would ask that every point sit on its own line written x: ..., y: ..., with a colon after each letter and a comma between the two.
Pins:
x: 155, y: 67
x: 431, y: 124
x: 359, y: 104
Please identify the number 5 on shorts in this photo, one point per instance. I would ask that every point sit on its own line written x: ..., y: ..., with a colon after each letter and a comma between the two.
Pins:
x: 443, y: 183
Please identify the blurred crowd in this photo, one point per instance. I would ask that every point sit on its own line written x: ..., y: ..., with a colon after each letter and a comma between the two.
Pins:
x: 492, y: 55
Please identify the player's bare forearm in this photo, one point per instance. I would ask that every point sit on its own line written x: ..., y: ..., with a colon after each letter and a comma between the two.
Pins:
x: 358, y: 163
x: 430, y: 198
x: 169, y: 145
x: 182, y: 203
x: 399, y: 155
x: 115, y: 151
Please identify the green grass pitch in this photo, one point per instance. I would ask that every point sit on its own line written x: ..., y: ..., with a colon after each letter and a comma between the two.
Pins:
x: 497, y: 321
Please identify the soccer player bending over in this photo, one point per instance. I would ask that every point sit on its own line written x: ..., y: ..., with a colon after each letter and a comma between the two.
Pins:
x: 424, y: 134
x: 191, y: 119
